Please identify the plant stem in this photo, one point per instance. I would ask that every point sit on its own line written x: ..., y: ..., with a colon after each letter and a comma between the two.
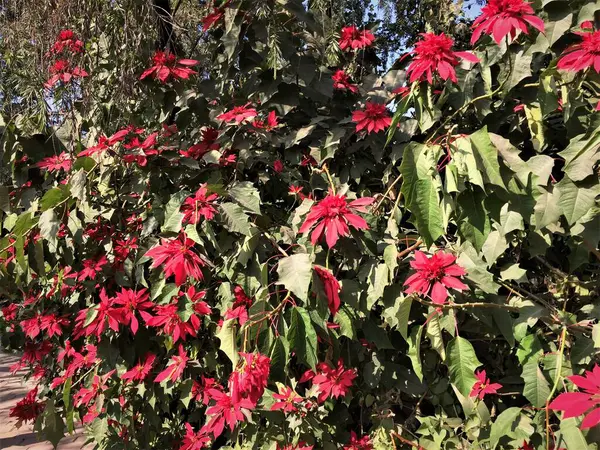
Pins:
x: 559, y: 363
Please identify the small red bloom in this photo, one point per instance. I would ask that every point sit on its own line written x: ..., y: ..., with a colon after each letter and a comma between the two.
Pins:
x: 10, y: 312
x: 209, y: 137
x: 178, y: 258
x: 175, y: 367
x: 333, y: 382
x: 287, y: 400
x: 269, y: 125
x: 299, y: 446
x: 166, y: 65
x: 85, y: 395
x: 132, y: 301
x: 56, y: 163
x: 332, y: 288
x: 295, y: 190
x: 402, y: 91
x: 211, y: 19
x: 227, y: 410
x: 250, y: 378
x: 278, y: 166
x: 97, y: 317
x: 240, y: 313
x: 238, y: 115
x: 332, y: 215
x: 577, y: 403
x: 505, y: 17
x: 351, y: 38
x: 200, y: 390
x: 433, y: 54
x: 196, y: 297
x: 583, y: 55
x: 433, y: 275
x: 100, y: 147
x: 167, y: 317
x: 483, y: 386
x: 66, y: 40
x: 364, y: 443
x: 91, y: 267
x: 587, y: 25
x: 375, y: 117
x: 202, y: 204
x: 141, y: 371
x: 27, y: 409
x: 341, y: 80
x: 526, y: 446
x: 193, y: 440
x: 61, y: 71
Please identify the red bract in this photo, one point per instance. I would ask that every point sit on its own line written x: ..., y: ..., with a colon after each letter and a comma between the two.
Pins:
x: 61, y: 71
x: 240, y: 313
x: 577, y: 403
x: 331, y: 287
x: 375, y: 117
x: 238, y: 115
x: 27, y: 409
x: 583, y: 55
x: 93, y: 320
x: 56, y: 163
x: 278, y: 166
x: 483, y: 386
x: 200, y: 390
x: 299, y: 446
x: 175, y: 367
x: 433, y: 275
x: 270, y: 124
x: 364, y: 443
x: 10, y: 312
x: 500, y: 18
x: 193, y: 440
x: 132, y: 301
x: 332, y: 215
x: 66, y: 40
x: 166, y: 65
x: 100, y: 147
x: 209, y: 137
x: 287, y: 400
x: 351, y: 38
x: 91, y: 267
x: 177, y: 258
x: 202, y: 204
x: 250, y: 378
x: 341, y: 80
x: 227, y: 410
x: 211, y: 19
x: 167, y: 317
x: 196, y: 297
x: 433, y: 54
x: 85, y: 395
x: 333, y: 382
x: 141, y: 371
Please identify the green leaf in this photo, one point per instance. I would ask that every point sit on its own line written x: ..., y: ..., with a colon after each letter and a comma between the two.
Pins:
x: 378, y: 280
x: 535, y: 121
x: 462, y: 362
x: 398, y: 114
x: 546, y: 209
x: 486, y: 156
x: 53, y: 428
x: 49, y: 225
x: 235, y: 219
x: 576, y: 200
x: 582, y: 153
x: 559, y: 21
x: 53, y: 197
x: 434, y: 333
x: 303, y: 337
x: 279, y: 357
x: 505, y: 425
x: 474, y: 222
x: 173, y: 215
x: 536, y: 388
x: 77, y: 184
x: 295, y: 273
x: 403, y: 315
x: 24, y: 223
x: 414, y: 350
x: 571, y: 436
x: 345, y: 319
x: 228, y: 337
x: 494, y: 246
x: 246, y: 195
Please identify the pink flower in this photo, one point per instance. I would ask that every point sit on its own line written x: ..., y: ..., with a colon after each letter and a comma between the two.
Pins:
x: 211, y: 19
x: 278, y: 166
x: 375, y: 117
x: 483, y: 386
x: 577, y: 403
x: 433, y: 275
x: 27, y: 409
x: 56, y: 163
x: 332, y: 215
x: 238, y: 114
x: 193, y: 440
x: 500, y: 18
x: 202, y: 204
x: 583, y: 55
x: 352, y: 38
x: 287, y: 400
x: 364, y: 443
x: 433, y: 54
x: 141, y: 371
x: 341, y: 80
x: 333, y: 382
x: 175, y: 367
x: 178, y: 258
x: 166, y: 65
x: 331, y: 287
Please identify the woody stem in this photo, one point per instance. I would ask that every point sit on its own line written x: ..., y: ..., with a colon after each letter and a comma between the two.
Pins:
x: 559, y: 363
x: 326, y: 170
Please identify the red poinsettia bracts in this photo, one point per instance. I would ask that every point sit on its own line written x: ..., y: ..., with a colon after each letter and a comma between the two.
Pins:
x: 332, y: 215
x: 374, y: 118
x: 341, y: 81
x: 141, y: 371
x: 250, y: 377
x: 132, y: 301
x: 166, y: 65
x: 211, y: 19
x: 84, y: 395
x: 269, y: 125
x: 238, y: 115
x: 177, y: 258
x: 583, y: 55
x: 299, y: 446
x: 208, y: 143
x: 500, y: 18
x: 333, y: 382
x: 200, y: 390
x: 433, y: 55
x: 202, y: 204
x: 288, y: 399
x: 101, y: 315
x: 332, y: 288
x: 194, y: 440
x: 66, y: 40
x: 351, y: 38
x: 56, y: 163
x: 578, y: 403
x: 27, y: 409
x: 91, y: 267
x: 356, y: 443
x: 228, y: 410
x: 482, y: 386
x: 434, y: 275
x: 61, y: 71
x: 175, y: 367
x: 167, y: 317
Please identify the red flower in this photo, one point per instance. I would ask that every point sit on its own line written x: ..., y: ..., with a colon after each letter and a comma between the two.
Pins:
x: 269, y: 125
x: 10, y: 312
x: 352, y: 38
x: 238, y: 114
x: 175, y: 367
x: 278, y: 166
x: 141, y: 371
x: 97, y: 317
x: 199, y: 205
x: 61, y: 71
x: 250, y: 378
x: 100, y: 147
x: 577, y: 403
x: 200, y: 390
x: 333, y: 381
x: 132, y: 301
x: 193, y: 440
x: 227, y: 410
x: 240, y: 313
x: 587, y: 25
x: 211, y: 19
x: 341, y: 80
x: 196, y: 297
x: 91, y: 267
x: 483, y: 386
x: 375, y: 117
x: 584, y: 55
x: 332, y: 215
x: 364, y: 443
x: 178, y: 259
x: 56, y: 163
x: 85, y: 395
x: 299, y: 446
x: 331, y: 287
x: 27, y: 409
x: 505, y: 17
x: 241, y: 299
x: 167, y: 317
x: 433, y: 275
x: 295, y: 190
x: 52, y: 324
x: 287, y: 400
x: 526, y: 446
x: 402, y: 91
x: 434, y: 54
x: 67, y: 39
x: 209, y: 137
x: 166, y: 65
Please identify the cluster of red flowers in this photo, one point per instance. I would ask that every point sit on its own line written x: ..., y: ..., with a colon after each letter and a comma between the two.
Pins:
x: 62, y: 70
x: 375, y: 117
x: 165, y: 66
x: 586, y: 401
x: 501, y: 18
x: 177, y: 257
x: 341, y: 80
x: 483, y: 386
x: 207, y: 143
x: 27, y: 409
x: 351, y: 38
x: 200, y: 205
x: 330, y: 381
x: 239, y: 309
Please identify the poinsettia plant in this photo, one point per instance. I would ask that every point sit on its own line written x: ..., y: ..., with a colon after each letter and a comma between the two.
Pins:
x: 266, y: 242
